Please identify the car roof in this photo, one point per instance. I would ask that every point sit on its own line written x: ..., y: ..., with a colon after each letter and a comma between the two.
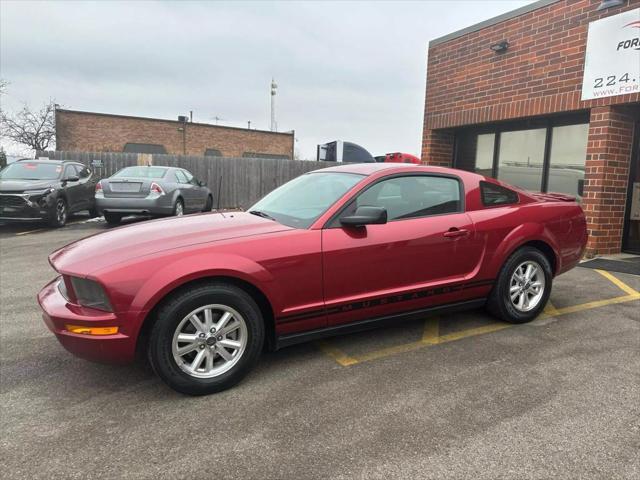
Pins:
x: 45, y: 160
x: 368, y: 169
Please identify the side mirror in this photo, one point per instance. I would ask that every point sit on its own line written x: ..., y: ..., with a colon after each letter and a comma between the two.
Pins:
x: 201, y: 183
x: 365, y: 215
x: 72, y: 178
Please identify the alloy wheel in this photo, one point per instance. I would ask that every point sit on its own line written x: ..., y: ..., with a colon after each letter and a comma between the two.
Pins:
x: 179, y: 209
x: 209, y: 341
x: 527, y: 285
x: 61, y: 212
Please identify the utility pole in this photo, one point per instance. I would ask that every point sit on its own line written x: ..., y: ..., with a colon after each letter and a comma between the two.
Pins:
x: 274, y: 86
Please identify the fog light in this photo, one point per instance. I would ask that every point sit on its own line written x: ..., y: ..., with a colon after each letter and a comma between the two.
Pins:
x: 91, y: 330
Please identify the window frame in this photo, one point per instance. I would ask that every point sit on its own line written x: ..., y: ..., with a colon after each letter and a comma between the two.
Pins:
x: 498, y: 129
x: 334, y: 221
x: 496, y: 205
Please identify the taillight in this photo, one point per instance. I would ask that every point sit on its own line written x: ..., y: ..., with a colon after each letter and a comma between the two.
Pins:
x: 98, y: 187
x: 155, y: 188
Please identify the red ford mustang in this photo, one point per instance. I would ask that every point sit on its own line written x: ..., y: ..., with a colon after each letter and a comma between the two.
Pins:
x: 332, y: 251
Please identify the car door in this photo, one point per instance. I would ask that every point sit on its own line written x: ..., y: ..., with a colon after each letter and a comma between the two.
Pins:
x: 186, y: 189
x: 72, y: 188
x: 88, y: 186
x: 199, y: 193
x: 189, y: 191
x: 419, y: 258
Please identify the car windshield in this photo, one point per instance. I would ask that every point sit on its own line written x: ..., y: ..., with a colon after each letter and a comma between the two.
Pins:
x: 301, y: 201
x: 141, y: 172
x: 31, y: 171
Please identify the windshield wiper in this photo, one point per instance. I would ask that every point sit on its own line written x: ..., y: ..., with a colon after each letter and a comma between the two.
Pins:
x: 262, y: 214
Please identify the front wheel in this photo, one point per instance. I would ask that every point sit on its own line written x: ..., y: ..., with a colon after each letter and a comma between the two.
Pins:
x: 59, y: 214
x: 206, y: 338
x: 523, y: 287
x: 209, y: 205
x: 178, y: 208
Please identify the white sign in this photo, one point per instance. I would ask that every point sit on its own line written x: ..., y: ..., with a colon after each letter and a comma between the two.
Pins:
x: 612, y: 61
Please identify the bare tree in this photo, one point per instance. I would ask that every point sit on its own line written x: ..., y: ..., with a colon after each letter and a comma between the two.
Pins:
x: 35, y: 129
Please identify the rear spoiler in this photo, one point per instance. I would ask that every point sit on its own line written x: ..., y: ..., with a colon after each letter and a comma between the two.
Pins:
x: 553, y: 197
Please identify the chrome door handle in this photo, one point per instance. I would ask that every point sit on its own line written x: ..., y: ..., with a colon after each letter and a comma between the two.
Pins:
x: 454, y: 232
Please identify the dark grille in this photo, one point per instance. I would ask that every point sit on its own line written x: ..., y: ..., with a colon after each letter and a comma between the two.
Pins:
x: 11, y: 201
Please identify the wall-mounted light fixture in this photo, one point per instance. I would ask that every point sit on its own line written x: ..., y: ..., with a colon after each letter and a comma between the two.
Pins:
x: 609, y: 3
x: 500, y: 47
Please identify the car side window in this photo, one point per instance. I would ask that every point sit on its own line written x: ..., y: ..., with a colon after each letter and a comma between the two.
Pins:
x: 181, y: 177
x: 412, y: 196
x: 83, y: 172
x: 493, y: 195
x: 190, y: 178
x: 70, y: 171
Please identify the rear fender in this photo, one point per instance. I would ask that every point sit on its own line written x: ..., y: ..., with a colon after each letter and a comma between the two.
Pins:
x: 522, y: 234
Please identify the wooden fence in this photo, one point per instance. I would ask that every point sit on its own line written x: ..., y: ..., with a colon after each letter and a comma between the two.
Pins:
x: 239, y: 181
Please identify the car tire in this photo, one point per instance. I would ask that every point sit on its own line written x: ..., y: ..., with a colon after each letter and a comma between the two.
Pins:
x: 523, y: 286
x: 181, y: 371
x: 178, y: 208
x: 93, y: 213
x: 59, y: 214
x: 209, y: 205
x: 112, y: 218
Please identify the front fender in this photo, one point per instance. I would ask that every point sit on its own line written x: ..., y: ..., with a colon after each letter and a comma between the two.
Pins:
x: 203, y: 265
x: 522, y: 234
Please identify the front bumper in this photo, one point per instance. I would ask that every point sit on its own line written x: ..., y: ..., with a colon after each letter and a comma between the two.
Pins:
x: 18, y: 208
x: 147, y: 205
x: 58, y: 312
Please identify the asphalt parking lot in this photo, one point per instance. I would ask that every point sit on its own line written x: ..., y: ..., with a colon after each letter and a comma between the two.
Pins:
x: 451, y: 397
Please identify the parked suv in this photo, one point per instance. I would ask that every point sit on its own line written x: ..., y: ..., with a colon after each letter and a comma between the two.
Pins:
x: 48, y: 190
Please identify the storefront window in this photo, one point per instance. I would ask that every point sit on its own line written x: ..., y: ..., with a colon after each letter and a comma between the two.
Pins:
x: 484, y: 154
x: 521, y: 158
x: 568, y: 155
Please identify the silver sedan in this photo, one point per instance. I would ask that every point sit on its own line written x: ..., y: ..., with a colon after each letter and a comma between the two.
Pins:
x: 151, y: 190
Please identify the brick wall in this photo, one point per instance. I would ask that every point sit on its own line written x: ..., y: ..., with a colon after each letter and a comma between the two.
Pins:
x: 540, y: 74
x: 93, y: 132
x: 606, y: 177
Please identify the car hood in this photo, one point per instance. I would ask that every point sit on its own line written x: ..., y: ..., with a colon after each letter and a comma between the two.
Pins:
x: 19, y: 186
x: 146, y: 238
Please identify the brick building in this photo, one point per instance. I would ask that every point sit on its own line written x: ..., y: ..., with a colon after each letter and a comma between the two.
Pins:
x: 99, y: 132
x: 511, y: 98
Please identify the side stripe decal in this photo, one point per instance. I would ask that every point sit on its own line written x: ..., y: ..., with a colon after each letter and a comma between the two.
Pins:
x: 349, y: 307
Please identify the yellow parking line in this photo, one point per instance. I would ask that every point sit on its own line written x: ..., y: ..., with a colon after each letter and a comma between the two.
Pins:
x: 492, y: 327
x: 431, y: 332
x: 337, y: 354
x: 550, y: 310
x: 30, y: 231
x: 618, y: 283
x: 45, y: 229
x: 431, y: 335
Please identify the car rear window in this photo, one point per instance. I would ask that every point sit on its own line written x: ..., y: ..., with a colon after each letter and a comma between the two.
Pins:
x: 142, y: 172
x: 493, y: 195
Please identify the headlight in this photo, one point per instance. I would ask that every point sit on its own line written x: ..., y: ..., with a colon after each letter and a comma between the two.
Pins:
x: 90, y: 294
x: 41, y: 192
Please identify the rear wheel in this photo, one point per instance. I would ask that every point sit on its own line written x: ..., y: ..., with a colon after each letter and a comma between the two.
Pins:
x: 58, y: 216
x: 112, y: 218
x: 523, y: 287
x: 206, y: 339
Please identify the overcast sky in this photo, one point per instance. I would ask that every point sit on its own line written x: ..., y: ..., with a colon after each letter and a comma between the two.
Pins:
x: 346, y: 70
